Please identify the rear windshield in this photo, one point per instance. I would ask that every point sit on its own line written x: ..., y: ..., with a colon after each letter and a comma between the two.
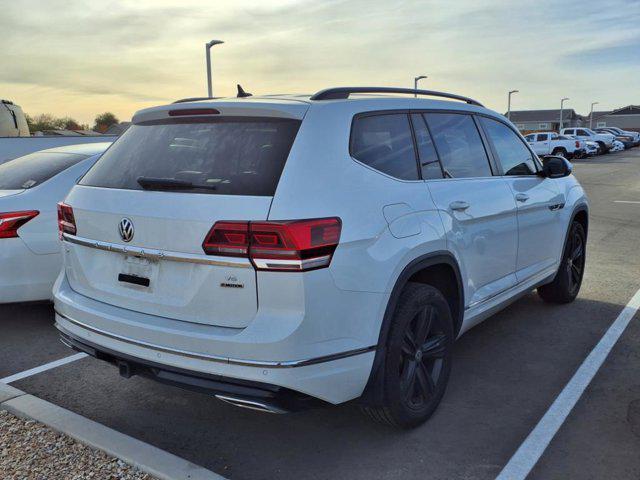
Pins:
x: 35, y: 168
x: 227, y: 155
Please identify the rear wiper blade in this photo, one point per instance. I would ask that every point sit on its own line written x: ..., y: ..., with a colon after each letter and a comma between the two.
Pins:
x: 153, y: 183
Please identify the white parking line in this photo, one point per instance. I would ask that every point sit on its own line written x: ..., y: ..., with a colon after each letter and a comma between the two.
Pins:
x: 625, y: 201
x: 42, y: 368
x: 538, y: 440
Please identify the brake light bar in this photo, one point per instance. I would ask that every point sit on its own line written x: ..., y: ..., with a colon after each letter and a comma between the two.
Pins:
x: 188, y: 112
x: 288, y: 245
x: 10, y: 222
x: 66, y: 220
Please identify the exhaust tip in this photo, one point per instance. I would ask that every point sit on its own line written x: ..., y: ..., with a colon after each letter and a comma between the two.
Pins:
x: 251, y: 404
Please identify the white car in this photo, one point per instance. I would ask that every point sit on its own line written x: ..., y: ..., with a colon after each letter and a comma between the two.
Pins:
x: 30, y: 188
x: 281, y: 251
x: 617, y: 146
x: 592, y: 148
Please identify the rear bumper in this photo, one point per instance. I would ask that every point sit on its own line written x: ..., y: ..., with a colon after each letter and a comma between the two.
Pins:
x: 253, y: 395
x: 334, y: 376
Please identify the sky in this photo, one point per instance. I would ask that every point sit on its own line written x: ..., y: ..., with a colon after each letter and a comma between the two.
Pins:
x: 80, y: 58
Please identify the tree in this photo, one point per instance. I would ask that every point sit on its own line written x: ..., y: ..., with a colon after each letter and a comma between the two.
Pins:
x: 69, y: 123
x: 46, y: 121
x: 104, y: 121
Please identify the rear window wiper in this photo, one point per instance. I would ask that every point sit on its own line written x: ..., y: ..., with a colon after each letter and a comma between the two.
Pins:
x: 154, y: 183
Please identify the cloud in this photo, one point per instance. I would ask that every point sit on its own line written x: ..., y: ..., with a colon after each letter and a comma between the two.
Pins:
x: 133, y: 53
x: 626, y: 54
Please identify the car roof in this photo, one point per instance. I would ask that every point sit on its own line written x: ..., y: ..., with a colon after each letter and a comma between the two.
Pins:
x: 79, y: 149
x: 296, y: 106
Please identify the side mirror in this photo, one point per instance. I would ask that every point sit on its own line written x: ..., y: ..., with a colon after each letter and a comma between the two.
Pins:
x: 556, y: 167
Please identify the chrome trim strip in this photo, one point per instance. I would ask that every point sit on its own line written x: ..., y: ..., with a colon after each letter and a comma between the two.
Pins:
x: 154, y: 254
x: 294, y: 265
x: 215, y: 358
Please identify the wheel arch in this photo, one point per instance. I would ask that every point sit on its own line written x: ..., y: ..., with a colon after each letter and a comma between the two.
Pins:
x: 439, y: 269
x: 581, y: 215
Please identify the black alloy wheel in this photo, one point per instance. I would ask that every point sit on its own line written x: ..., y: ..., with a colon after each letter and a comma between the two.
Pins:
x: 423, y: 354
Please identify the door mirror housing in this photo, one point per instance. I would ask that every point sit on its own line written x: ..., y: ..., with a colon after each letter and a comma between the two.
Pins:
x: 555, y: 167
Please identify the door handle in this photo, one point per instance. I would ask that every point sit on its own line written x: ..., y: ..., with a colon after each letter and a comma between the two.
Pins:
x: 522, y: 197
x: 458, y: 205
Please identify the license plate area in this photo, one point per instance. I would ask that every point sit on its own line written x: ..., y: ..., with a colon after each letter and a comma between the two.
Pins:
x: 137, y: 272
x: 134, y: 279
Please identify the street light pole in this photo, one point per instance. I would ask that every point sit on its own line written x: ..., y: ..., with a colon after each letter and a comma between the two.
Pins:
x: 415, y: 83
x: 561, y: 108
x: 509, y: 103
x: 208, y: 55
x: 591, y: 115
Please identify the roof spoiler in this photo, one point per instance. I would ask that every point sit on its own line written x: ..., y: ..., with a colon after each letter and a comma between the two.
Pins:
x: 342, y: 93
x: 195, y: 99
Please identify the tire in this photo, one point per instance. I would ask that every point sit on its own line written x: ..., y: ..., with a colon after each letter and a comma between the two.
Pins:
x: 418, y: 358
x: 603, y: 148
x: 560, y: 151
x: 565, y: 286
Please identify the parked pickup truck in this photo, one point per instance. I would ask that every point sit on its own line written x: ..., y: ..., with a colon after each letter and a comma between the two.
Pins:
x: 604, y: 140
x: 550, y: 143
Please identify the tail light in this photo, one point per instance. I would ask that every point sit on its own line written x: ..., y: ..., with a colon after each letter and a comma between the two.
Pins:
x: 291, y: 245
x: 66, y: 220
x: 577, y: 144
x: 11, y: 222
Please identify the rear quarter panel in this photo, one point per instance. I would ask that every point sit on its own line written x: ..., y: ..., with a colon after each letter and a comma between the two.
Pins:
x: 321, y: 179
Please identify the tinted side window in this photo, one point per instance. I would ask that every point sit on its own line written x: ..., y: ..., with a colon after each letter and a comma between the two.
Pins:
x: 35, y: 168
x: 513, y: 154
x: 530, y: 138
x: 583, y: 133
x: 543, y: 138
x: 426, y: 151
x: 384, y: 142
x: 459, y: 145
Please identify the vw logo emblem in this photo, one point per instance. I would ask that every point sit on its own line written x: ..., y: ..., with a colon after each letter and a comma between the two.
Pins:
x: 126, y: 229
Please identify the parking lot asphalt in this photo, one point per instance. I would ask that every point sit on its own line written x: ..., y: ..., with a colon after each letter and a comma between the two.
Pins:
x: 506, y: 374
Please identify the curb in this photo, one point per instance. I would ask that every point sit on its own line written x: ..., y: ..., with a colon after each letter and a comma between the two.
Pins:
x: 147, y: 458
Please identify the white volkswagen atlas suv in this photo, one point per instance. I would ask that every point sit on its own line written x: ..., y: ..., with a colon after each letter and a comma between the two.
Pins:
x: 280, y: 252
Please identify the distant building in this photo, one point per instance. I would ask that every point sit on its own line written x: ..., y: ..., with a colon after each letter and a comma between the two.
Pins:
x: 545, y: 120
x: 626, y: 118
x: 118, y: 128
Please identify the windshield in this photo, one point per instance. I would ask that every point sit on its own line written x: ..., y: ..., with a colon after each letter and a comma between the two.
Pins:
x: 35, y: 168
x: 226, y: 155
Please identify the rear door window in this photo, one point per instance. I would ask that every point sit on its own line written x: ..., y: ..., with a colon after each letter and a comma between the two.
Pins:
x: 459, y: 145
x: 513, y: 154
x: 543, y: 137
x: 384, y: 143
x: 226, y: 155
x: 34, y: 169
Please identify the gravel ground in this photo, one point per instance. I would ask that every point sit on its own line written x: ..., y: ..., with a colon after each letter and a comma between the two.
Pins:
x: 29, y: 450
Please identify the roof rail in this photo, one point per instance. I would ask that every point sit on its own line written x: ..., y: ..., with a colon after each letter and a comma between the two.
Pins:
x: 195, y: 99
x: 341, y: 93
